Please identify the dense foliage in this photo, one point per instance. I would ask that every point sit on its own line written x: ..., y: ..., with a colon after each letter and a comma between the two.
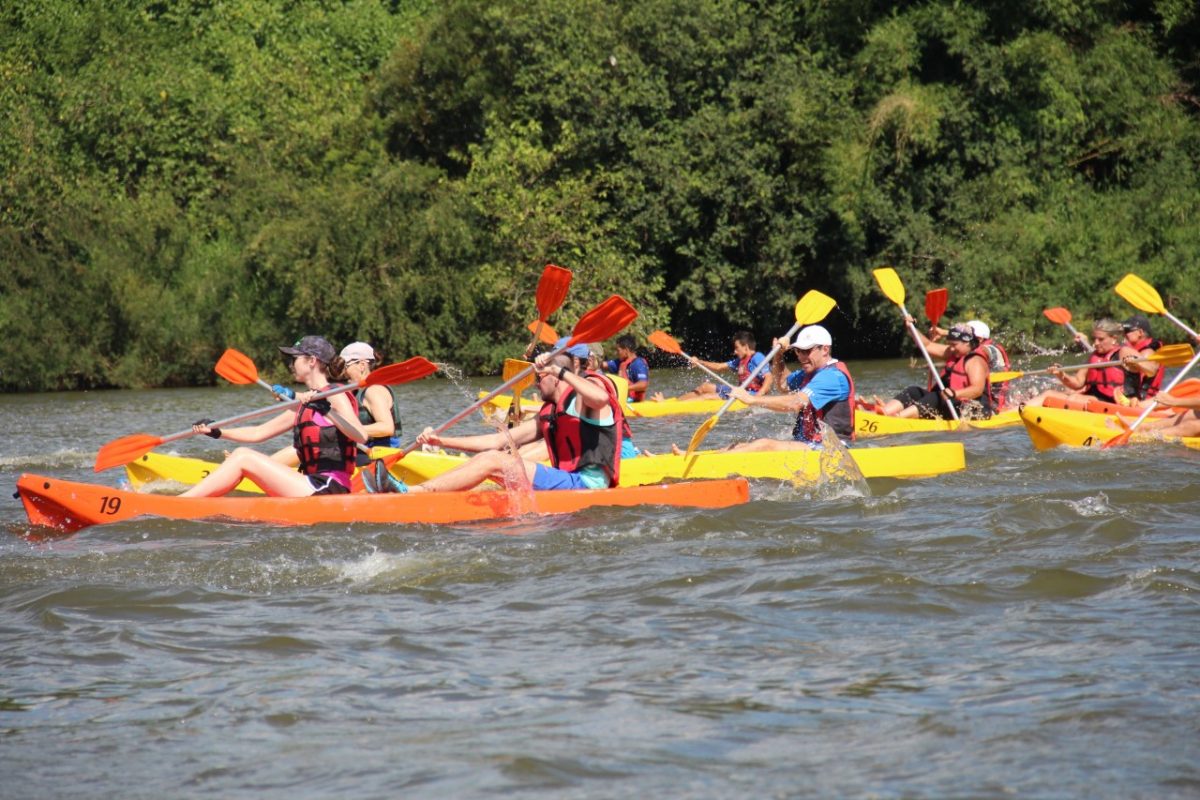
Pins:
x: 184, y: 176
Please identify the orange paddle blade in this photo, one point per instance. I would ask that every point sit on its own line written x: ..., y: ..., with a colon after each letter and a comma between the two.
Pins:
x: 543, y: 331
x: 1059, y: 315
x: 604, y: 321
x: 126, y: 449
x: 236, y: 367
x: 665, y: 341
x: 1188, y: 388
x: 935, y: 304
x: 413, y: 369
x: 552, y: 290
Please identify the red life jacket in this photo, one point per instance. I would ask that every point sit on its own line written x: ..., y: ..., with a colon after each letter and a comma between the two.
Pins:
x: 838, y: 414
x: 622, y: 370
x: 322, y: 448
x: 955, y: 377
x: 1001, y: 364
x: 743, y: 372
x: 1139, y: 384
x: 574, y: 443
x: 1103, y: 382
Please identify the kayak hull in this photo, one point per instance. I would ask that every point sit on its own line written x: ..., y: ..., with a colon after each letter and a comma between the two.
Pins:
x: 1054, y: 427
x: 870, y: 423
x: 68, y: 506
x: 903, y: 461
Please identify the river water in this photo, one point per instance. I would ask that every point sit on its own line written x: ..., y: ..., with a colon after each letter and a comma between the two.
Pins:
x: 1027, y: 628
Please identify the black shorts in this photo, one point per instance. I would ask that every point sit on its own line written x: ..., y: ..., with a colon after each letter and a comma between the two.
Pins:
x: 324, y: 484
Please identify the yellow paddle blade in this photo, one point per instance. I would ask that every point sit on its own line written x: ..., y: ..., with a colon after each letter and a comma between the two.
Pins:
x: 1003, y: 377
x: 700, y: 434
x: 514, y: 367
x: 813, y: 307
x: 1140, y: 294
x: 890, y: 283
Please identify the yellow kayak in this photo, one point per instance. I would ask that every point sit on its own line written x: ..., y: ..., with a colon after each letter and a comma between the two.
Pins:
x: 909, y: 461
x: 868, y: 423
x: 498, y: 407
x: 416, y: 467
x: 1051, y: 427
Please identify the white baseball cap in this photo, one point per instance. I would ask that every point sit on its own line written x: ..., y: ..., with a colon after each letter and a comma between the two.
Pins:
x: 358, y: 351
x: 812, y: 336
x: 981, y: 329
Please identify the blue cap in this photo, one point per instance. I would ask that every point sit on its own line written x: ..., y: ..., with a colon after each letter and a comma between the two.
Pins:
x: 578, y: 350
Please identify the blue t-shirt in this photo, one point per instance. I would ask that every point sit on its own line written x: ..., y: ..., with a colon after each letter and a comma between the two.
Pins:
x: 637, y: 372
x: 828, y: 384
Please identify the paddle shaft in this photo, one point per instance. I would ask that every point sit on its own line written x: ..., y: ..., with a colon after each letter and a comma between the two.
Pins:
x: 262, y: 412
x: 1086, y: 344
x: 1154, y: 403
x: 928, y: 360
x: 754, y: 372
x: 706, y: 369
x: 471, y: 409
x: 1048, y: 370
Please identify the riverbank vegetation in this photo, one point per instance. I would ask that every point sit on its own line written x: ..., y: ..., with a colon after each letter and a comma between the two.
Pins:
x: 184, y: 176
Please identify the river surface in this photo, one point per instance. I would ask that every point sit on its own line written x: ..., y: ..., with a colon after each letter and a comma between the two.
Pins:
x: 1026, y: 628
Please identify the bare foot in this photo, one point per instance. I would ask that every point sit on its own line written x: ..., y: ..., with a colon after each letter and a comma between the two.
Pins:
x: 675, y: 449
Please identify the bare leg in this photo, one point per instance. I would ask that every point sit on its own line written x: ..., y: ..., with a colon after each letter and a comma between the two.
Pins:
x: 276, y: 479
x: 481, y: 466
x: 768, y: 445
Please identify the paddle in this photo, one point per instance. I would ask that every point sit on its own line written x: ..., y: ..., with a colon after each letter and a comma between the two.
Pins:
x: 935, y: 304
x: 1169, y: 355
x: 512, y: 368
x: 810, y: 309
x: 1061, y: 316
x: 551, y: 291
x: 603, y: 322
x: 1145, y: 297
x: 236, y: 367
x: 128, y: 448
x: 665, y: 341
x: 543, y: 331
x: 1122, y: 438
x: 890, y: 283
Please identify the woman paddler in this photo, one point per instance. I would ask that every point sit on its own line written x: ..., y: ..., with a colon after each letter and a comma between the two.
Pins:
x: 324, y: 433
x: 1102, y: 383
x: 965, y: 376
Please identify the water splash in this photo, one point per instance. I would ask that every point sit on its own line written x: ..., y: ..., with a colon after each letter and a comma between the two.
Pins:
x: 1094, y: 506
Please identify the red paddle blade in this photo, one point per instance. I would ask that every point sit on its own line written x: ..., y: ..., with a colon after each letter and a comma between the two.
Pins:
x: 126, y: 449
x: 552, y: 290
x: 544, y: 332
x: 236, y: 367
x: 413, y: 369
x: 665, y: 341
x: 604, y: 321
x: 1059, y: 315
x: 935, y: 304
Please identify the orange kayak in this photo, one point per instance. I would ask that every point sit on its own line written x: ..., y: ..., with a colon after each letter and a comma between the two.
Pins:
x: 68, y: 506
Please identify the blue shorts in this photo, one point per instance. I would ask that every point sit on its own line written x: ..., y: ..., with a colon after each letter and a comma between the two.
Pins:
x: 545, y: 477
x: 724, y: 390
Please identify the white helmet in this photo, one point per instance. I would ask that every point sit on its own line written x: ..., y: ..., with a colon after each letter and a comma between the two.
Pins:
x: 981, y: 329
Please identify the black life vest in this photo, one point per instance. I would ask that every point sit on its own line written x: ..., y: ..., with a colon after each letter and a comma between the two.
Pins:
x: 998, y: 361
x: 838, y: 414
x: 365, y: 417
x: 574, y: 443
x: 322, y: 448
x: 1138, y: 384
